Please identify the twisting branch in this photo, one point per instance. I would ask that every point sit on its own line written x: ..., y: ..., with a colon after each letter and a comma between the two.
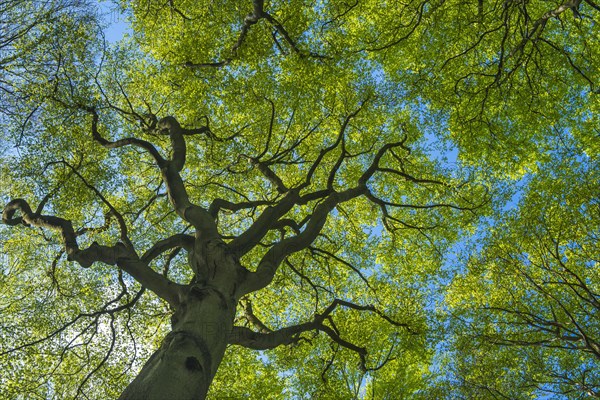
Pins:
x: 249, y: 20
x: 374, y: 167
x: 269, y: 339
x: 170, y: 169
x: 192, y: 213
x: 28, y: 218
x: 358, y: 307
x: 246, y: 337
x: 538, y: 26
x: 118, y: 254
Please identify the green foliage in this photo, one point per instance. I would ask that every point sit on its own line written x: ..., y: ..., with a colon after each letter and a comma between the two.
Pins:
x: 482, y: 246
x: 530, y: 288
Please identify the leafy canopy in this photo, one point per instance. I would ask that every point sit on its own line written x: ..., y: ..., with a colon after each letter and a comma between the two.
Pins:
x: 495, y: 105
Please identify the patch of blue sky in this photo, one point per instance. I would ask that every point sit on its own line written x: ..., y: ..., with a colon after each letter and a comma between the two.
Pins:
x: 115, y: 22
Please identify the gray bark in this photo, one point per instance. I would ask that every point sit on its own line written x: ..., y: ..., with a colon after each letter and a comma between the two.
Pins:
x: 203, y: 321
x: 187, y: 360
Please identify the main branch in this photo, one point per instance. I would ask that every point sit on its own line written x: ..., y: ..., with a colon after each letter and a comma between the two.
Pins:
x: 246, y: 337
x: 170, y: 169
x: 118, y: 254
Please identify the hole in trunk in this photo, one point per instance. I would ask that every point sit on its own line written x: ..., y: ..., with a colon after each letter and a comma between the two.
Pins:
x: 192, y: 364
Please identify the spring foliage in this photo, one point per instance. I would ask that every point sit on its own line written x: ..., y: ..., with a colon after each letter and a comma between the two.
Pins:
x: 471, y: 129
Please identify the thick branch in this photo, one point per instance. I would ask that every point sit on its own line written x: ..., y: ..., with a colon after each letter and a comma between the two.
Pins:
x: 119, y: 254
x: 178, y: 196
x: 180, y: 240
x: 331, y: 198
x: 271, y: 215
x: 273, y: 258
x: 247, y: 240
x: 270, y: 339
x: 246, y: 337
x: 219, y: 204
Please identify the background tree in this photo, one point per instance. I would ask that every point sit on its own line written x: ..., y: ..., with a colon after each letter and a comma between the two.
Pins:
x: 32, y: 54
x: 281, y: 177
x: 532, y: 287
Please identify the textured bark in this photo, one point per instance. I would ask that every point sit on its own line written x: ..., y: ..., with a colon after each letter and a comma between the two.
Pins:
x: 187, y: 360
x: 204, y: 310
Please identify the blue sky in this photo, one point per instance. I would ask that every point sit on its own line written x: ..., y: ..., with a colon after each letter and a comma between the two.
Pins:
x: 117, y: 24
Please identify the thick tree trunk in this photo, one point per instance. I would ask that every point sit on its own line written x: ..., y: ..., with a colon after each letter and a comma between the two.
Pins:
x: 187, y: 360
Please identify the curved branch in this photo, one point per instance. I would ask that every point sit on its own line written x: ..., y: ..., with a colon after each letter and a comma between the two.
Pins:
x: 327, y: 254
x: 375, y: 164
x: 272, y: 259
x: 219, y: 204
x: 147, y: 146
x: 180, y: 240
x: 290, y: 335
x: 381, y: 202
x: 197, y: 216
x: 119, y: 255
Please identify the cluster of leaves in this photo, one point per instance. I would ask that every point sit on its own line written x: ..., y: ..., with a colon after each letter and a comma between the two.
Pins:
x: 529, y: 294
x: 508, y: 89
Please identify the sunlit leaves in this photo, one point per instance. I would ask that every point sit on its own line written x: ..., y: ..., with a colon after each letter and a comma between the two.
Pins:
x: 531, y: 286
x: 495, y: 105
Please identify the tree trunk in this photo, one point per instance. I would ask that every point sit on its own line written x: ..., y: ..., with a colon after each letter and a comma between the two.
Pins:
x: 187, y: 360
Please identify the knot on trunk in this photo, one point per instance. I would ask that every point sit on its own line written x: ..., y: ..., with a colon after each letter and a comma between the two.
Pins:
x: 168, y: 125
x: 202, y: 292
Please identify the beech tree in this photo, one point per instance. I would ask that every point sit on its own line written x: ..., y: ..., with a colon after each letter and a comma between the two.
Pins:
x: 531, y: 291
x: 299, y: 200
